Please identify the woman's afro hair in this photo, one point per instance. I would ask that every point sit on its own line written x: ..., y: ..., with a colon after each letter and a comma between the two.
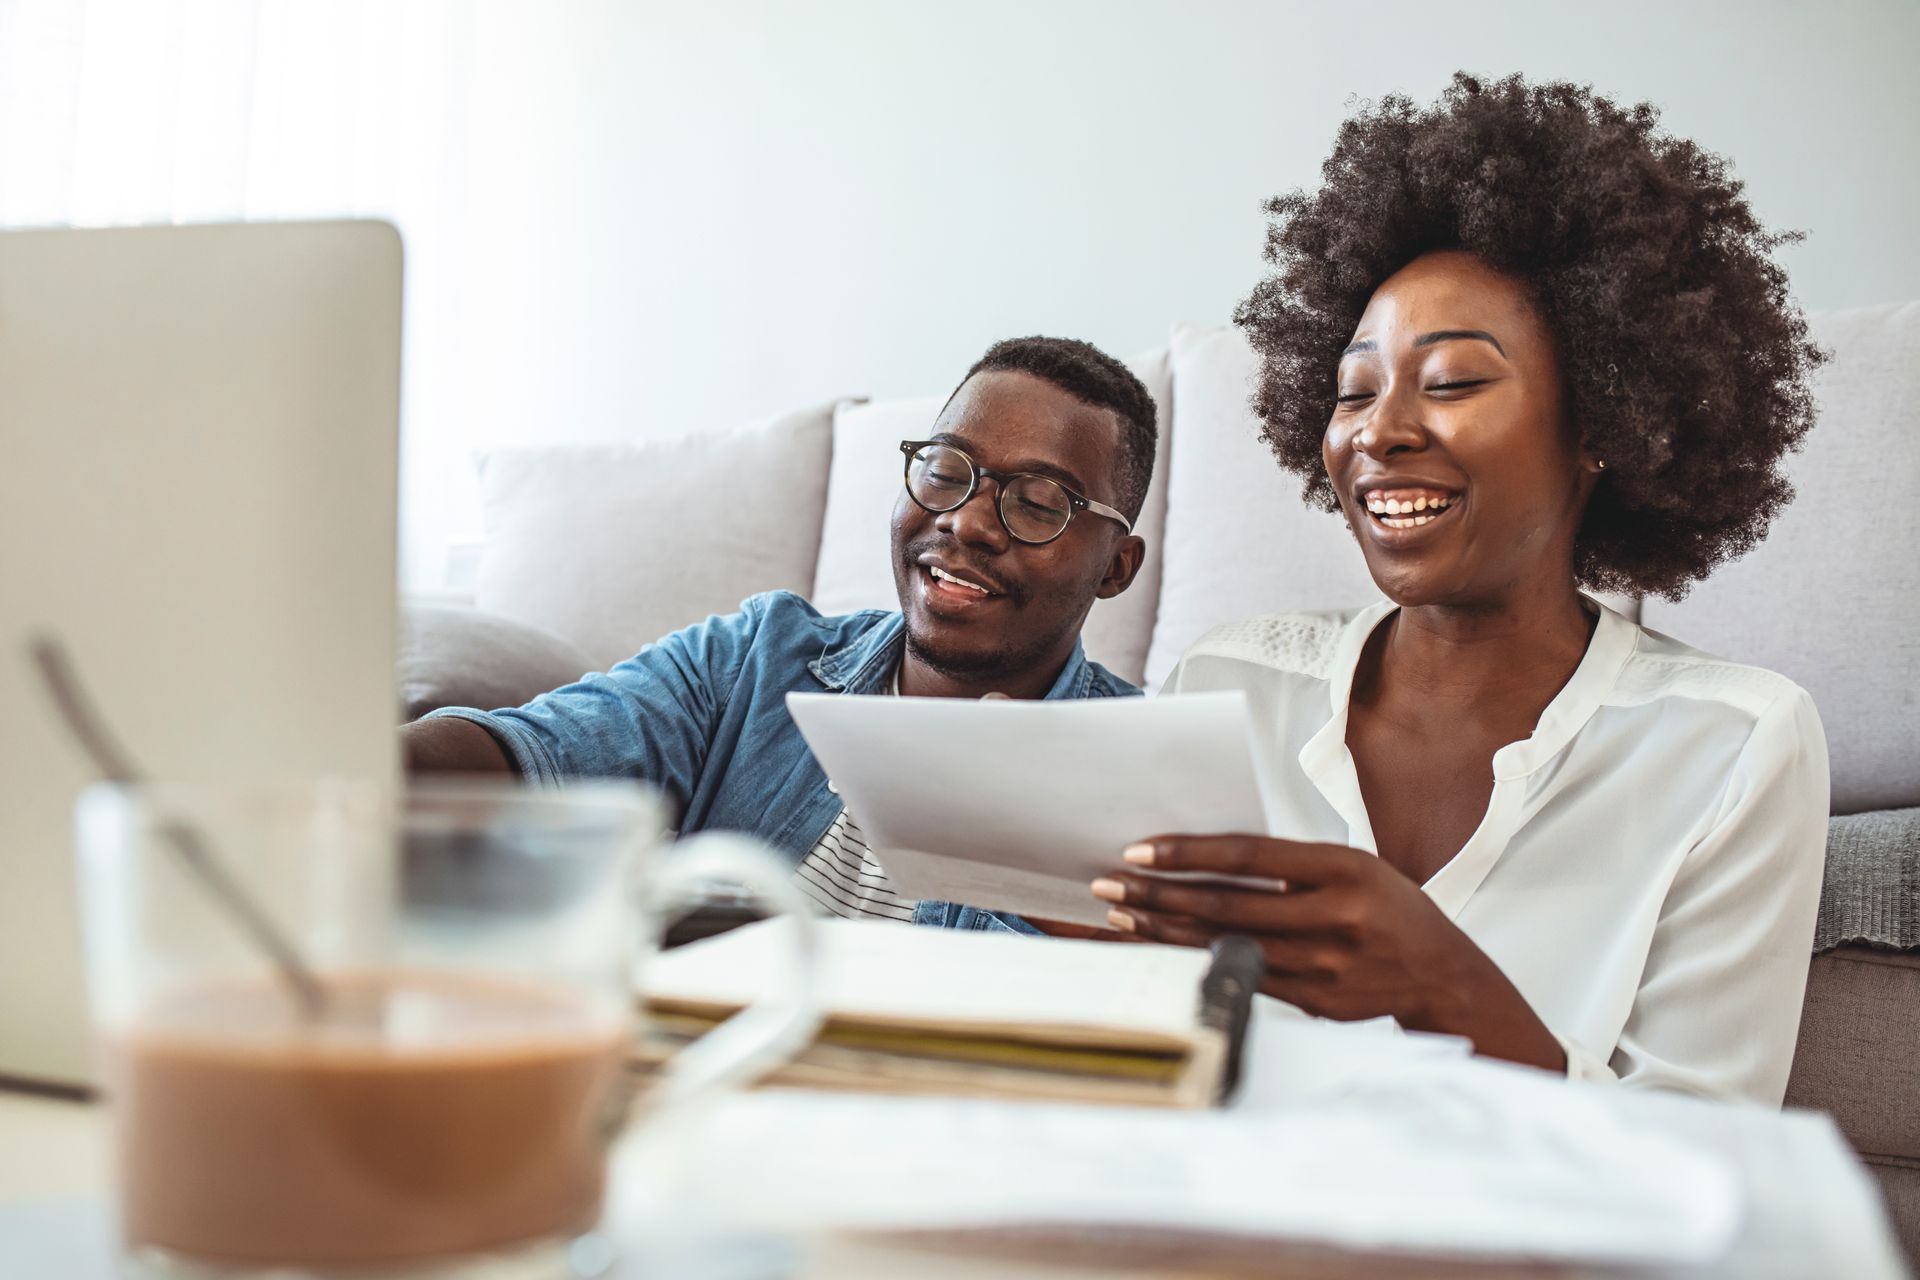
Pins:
x: 1685, y: 365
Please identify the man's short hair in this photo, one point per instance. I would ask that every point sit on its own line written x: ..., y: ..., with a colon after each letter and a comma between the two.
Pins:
x: 1093, y: 377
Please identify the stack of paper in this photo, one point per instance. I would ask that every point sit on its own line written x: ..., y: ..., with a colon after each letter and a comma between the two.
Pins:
x: 1417, y: 1153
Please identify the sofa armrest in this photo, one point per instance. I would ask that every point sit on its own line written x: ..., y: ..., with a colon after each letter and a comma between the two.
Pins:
x: 457, y: 656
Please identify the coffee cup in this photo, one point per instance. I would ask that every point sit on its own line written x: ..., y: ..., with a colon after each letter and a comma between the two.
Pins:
x: 422, y: 1076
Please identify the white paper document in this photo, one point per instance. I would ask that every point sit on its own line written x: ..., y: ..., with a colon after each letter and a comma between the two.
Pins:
x: 1017, y: 806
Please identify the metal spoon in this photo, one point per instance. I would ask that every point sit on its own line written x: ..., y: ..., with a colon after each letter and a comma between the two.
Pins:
x: 113, y: 764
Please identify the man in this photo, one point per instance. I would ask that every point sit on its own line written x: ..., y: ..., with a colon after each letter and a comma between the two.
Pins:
x: 1016, y: 516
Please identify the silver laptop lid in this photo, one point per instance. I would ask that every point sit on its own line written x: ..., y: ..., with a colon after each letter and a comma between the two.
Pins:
x: 198, y: 456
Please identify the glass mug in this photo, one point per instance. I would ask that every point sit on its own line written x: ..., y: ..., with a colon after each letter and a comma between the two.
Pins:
x: 432, y: 1089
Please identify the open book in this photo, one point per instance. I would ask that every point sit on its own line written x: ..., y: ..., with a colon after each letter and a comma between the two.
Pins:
x: 915, y: 1010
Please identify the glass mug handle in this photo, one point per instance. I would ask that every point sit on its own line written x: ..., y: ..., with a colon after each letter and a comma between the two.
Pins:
x: 774, y: 1027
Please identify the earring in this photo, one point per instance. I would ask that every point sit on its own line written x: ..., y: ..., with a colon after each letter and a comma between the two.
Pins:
x: 1601, y: 464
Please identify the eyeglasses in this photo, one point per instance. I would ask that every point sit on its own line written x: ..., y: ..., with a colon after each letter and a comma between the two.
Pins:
x: 1033, y: 509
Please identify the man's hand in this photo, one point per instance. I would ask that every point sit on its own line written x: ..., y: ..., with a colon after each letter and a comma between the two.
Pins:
x: 1346, y: 936
x: 447, y: 744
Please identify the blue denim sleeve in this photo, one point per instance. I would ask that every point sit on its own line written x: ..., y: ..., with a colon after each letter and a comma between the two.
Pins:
x: 652, y: 716
x: 951, y: 915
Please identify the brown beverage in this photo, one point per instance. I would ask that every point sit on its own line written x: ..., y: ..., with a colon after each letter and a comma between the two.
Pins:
x: 426, y: 1115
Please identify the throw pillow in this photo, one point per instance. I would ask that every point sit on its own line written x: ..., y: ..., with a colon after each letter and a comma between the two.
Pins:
x: 612, y: 546
x: 1828, y: 599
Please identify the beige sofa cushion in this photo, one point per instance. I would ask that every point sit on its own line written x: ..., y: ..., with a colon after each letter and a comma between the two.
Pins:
x: 1900, y: 1183
x: 856, y: 567
x: 1859, y: 1042
x: 613, y: 546
x: 1859, y: 1046
x: 1239, y: 540
x: 1828, y: 599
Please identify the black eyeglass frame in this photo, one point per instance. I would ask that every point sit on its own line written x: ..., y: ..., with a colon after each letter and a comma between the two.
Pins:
x: 1076, y: 502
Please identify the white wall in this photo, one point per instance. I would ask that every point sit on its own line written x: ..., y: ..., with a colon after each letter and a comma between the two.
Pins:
x: 645, y: 218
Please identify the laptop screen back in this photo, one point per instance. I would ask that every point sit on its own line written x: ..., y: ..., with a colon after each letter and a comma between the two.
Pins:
x: 198, y: 445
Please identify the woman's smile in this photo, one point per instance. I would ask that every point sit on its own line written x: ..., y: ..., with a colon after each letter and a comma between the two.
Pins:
x: 1409, y: 508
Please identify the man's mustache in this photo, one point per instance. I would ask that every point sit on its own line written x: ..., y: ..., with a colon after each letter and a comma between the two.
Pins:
x: 953, y: 555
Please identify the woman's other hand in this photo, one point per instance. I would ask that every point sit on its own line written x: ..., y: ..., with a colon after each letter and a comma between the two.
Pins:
x: 1346, y: 936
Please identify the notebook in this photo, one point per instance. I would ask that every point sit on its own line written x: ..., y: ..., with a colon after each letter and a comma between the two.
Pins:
x: 932, y: 1011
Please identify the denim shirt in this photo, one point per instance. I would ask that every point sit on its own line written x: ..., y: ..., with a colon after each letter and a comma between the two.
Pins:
x: 702, y: 714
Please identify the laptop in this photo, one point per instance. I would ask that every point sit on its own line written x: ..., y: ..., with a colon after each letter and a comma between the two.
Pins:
x: 198, y: 458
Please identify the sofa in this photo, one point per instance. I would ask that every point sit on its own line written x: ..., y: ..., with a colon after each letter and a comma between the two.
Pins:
x: 591, y: 550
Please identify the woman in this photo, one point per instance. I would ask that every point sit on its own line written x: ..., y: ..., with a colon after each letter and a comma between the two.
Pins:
x: 1527, y: 345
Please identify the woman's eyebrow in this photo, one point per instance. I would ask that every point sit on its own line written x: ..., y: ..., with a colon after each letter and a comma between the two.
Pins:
x: 1448, y: 335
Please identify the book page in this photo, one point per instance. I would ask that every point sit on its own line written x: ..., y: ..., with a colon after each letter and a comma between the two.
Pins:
x: 903, y: 975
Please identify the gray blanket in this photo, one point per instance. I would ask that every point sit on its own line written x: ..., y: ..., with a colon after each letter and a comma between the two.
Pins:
x: 1872, y: 889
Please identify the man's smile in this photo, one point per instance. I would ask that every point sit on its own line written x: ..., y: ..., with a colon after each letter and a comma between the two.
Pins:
x: 941, y: 575
x: 955, y: 586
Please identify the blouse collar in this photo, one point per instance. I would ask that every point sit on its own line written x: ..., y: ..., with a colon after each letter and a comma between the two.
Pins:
x: 1329, y: 765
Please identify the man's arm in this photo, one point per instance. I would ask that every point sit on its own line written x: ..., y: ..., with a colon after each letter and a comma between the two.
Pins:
x: 651, y: 717
x: 445, y: 744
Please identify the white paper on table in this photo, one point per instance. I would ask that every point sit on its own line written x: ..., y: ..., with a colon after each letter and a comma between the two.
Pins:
x: 1017, y: 806
x: 1812, y: 1207
x: 1422, y: 1152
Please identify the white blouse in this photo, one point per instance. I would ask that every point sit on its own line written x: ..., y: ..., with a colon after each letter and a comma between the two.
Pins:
x: 1648, y: 869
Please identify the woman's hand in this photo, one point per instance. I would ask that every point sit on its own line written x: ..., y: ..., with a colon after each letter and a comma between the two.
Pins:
x: 1347, y: 937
